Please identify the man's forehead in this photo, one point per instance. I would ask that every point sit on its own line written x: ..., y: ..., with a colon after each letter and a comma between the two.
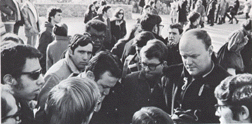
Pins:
x: 31, y: 64
x: 93, y: 31
x: 173, y: 30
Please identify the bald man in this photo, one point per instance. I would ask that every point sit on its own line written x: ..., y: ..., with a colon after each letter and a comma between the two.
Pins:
x: 189, y: 87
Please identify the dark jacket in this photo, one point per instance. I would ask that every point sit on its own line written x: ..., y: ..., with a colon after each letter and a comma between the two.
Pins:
x: 117, y: 31
x: 211, y: 9
x: 27, y: 115
x: 45, y: 38
x: 173, y: 55
x: 111, y: 111
x: 140, y: 92
x: 89, y: 16
x: 182, y: 13
x: 197, y: 95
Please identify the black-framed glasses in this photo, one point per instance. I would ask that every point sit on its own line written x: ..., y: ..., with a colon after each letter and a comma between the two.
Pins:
x: 151, y: 67
x: 98, y: 38
x: 221, y: 106
x: 34, y: 75
x: 16, y: 116
x: 121, y: 13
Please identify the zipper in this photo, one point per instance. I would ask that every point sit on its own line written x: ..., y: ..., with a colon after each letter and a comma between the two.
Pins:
x: 183, y: 95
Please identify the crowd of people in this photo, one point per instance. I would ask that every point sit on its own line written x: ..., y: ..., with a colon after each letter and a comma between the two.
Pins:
x: 106, y: 75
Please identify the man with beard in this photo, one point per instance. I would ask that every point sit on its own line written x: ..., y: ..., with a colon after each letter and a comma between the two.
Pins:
x: 143, y: 88
x: 77, y: 57
x: 174, y: 34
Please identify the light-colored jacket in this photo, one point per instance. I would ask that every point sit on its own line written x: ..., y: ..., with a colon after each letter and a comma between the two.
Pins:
x: 29, y: 19
x: 55, y: 49
x: 58, y: 72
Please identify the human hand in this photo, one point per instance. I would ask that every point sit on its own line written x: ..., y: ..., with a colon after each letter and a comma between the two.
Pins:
x: 184, y: 116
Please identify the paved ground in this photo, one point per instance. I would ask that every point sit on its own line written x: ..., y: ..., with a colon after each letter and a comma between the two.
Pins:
x: 218, y: 33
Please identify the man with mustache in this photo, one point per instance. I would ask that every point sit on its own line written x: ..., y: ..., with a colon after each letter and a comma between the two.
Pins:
x: 21, y: 71
x: 77, y: 57
x: 189, y: 87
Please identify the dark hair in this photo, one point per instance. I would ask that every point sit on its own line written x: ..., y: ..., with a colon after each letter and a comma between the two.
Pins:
x: 103, y: 3
x: 151, y: 115
x: 97, y: 25
x: 201, y: 35
x: 52, y: 12
x: 12, y: 37
x: 89, y: 8
x: 193, y: 16
x: 247, y: 24
x: 80, y: 40
x: 142, y: 38
x: 177, y: 26
x: 117, y: 11
x: 147, y: 6
x: 105, y: 9
x: 14, y: 58
x: 61, y: 30
x: 95, y: 2
x: 105, y: 61
x: 155, y: 48
x: 148, y: 21
x: 236, y: 91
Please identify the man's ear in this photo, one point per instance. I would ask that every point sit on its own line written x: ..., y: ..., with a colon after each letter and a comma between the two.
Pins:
x: 90, y: 75
x: 8, y: 79
x: 70, y: 52
x: 165, y: 64
x: 244, y: 113
x: 210, y: 49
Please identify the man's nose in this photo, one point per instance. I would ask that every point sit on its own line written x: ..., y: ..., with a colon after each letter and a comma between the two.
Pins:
x: 85, y: 56
x: 41, y: 80
x: 188, y: 61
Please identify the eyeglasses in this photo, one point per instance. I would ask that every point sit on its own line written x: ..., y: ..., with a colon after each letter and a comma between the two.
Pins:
x: 100, y: 38
x: 120, y: 13
x: 220, y: 106
x: 34, y: 75
x: 16, y: 116
x: 152, y: 67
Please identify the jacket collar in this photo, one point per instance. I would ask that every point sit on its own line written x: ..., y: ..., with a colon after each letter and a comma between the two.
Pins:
x: 64, y: 38
x: 71, y: 64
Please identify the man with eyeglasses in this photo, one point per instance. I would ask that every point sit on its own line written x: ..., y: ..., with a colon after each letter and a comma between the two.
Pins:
x: 189, y: 87
x: 234, y: 99
x: 21, y: 71
x: 77, y: 57
x: 104, y: 14
x: 143, y: 88
x: 148, y: 22
x: 97, y: 30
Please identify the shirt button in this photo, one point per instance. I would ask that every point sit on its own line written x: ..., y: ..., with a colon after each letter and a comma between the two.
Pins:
x: 113, y: 91
x: 116, y: 109
x: 148, y: 100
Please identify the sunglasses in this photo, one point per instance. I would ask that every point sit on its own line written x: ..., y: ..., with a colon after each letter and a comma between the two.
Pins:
x: 16, y: 116
x: 34, y: 75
